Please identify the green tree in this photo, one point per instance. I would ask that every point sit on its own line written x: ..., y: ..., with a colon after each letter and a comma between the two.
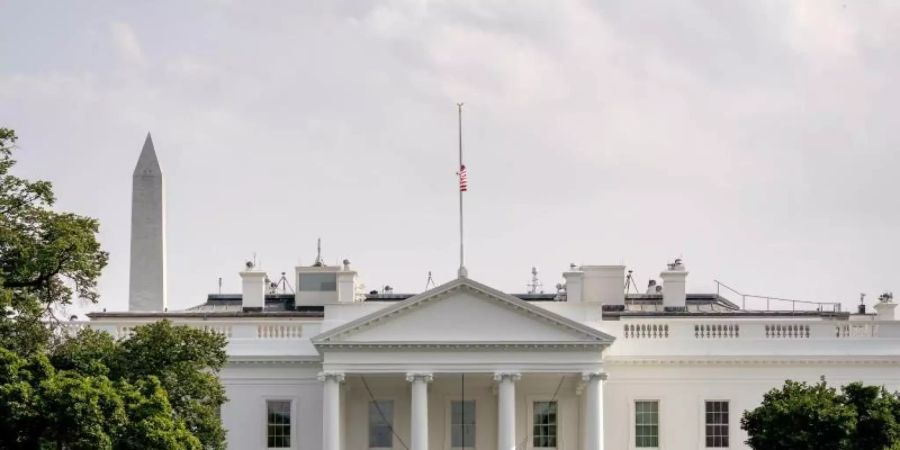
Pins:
x: 20, y: 421
x: 89, y: 352
x: 183, y: 361
x: 801, y: 416
x: 156, y: 390
x: 877, y: 417
x: 186, y: 361
x: 80, y: 407
x: 151, y: 421
x: 79, y: 412
x: 46, y: 257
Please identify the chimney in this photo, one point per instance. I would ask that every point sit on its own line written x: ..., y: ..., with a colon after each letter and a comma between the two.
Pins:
x: 604, y: 284
x: 253, y: 289
x: 346, y: 284
x: 886, y: 309
x: 674, y: 281
x: 574, y: 284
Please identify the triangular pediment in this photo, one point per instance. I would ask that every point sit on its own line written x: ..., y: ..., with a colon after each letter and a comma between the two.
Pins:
x: 463, y: 311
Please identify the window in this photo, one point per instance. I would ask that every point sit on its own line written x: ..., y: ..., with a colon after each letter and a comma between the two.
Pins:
x: 717, y: 424
x: 545, y: 421
x: 462, y: 424
x: 646, y: 424
x: 279, y: 423
x: 381, y: 423
x: 321, y: 282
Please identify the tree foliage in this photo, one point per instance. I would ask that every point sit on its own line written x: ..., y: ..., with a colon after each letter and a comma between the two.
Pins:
x: 183, y: 361
x: 43, y: 407
x: 47, y: 258
x: 801, y: 416
x: 157, y: 389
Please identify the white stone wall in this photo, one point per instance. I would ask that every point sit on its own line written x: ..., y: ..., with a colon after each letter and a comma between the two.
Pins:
x: 249, y: 386
x: 683, y: 389
x: 680, y: 389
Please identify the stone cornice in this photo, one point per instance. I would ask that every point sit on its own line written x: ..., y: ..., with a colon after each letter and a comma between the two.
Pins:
x: 474, y: 345
x: 755, y: 361
x: 273, y: 360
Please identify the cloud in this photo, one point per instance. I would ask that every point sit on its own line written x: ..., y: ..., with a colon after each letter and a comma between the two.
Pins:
x: 127, y: 44
x: 755, y: 137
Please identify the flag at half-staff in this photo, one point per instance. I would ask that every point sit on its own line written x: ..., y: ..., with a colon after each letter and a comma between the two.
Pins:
x: 463, y: 179
x: 463, y: 187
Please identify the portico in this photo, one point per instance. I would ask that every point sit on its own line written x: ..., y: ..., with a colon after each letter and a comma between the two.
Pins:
x: 463, y: 349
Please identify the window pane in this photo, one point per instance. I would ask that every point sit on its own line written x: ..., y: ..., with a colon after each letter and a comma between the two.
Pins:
x: 646, y: 424
x: 462, y: 424
x: 381, y: 420
x: 716, y: 424
x: 317, y: 282
x: 278, y: 429
x: 544, y: 431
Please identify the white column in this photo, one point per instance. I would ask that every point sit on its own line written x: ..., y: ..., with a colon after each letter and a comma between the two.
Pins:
x: 593, y: 410
x: 506, y: 409
x: 331, y: 410
x: 418, y: 416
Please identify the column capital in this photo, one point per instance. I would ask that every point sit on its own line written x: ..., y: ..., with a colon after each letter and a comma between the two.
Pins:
x: 511, y: 376
x: 589, y: 376
x: 419, y: 376
x: 331, y: 376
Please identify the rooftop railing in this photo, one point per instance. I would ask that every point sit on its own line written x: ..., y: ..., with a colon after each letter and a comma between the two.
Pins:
x: 780, y: 304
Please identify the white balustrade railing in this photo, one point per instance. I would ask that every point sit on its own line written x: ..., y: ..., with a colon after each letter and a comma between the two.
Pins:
x: 646, y: 331
x: 787, y: 331
x: 232, y: 330
x: 224, y: 330
x: 750, y: 330
x: 289, y: 331
x: 717, y: 331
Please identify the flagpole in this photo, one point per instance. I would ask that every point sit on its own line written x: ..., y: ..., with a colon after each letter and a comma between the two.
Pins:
x: 462, y: 267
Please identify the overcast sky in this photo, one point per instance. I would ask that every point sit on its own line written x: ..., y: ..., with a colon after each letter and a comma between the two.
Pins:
x: 758, y: 140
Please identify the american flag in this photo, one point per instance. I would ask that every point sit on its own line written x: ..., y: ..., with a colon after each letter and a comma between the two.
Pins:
x: 463, y: 179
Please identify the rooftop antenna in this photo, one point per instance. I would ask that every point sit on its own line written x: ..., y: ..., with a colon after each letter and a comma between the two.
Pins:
x: 318, y: 262
x: 629, y: 283
x: 463, y: 187
x: 535, y: 284
x: 430, y: 283
x: 220, y: 285
x: 283, y: 284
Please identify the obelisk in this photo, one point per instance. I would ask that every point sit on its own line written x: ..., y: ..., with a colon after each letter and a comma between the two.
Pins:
x: 147, y: 282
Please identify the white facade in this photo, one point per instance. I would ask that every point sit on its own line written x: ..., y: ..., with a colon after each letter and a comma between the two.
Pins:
x: 589, y: 368
x: 594, y: 364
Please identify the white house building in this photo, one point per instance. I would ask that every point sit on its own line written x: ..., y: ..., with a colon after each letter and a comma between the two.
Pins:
x: 465, y: 366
